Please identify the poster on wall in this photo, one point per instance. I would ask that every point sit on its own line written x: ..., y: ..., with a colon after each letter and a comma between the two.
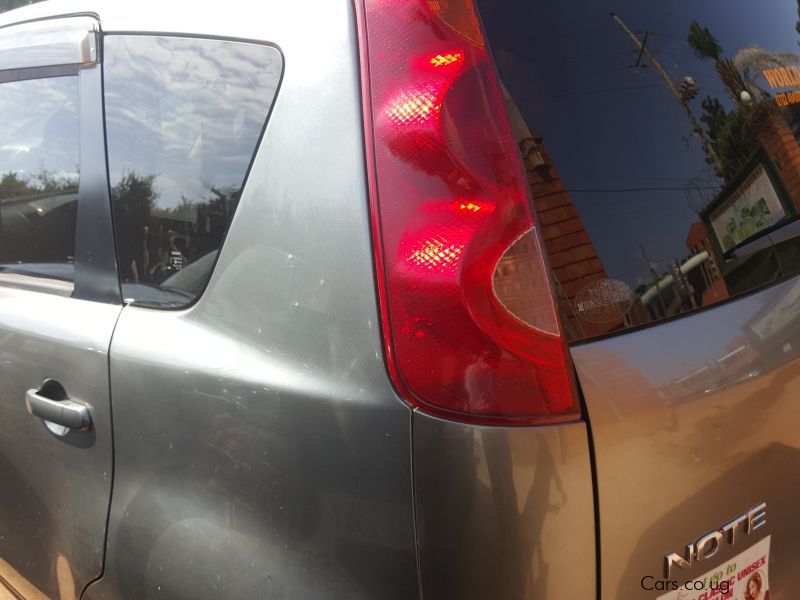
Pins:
x: 743, y: 577
x: 750, y: 208
x: 779, y: 317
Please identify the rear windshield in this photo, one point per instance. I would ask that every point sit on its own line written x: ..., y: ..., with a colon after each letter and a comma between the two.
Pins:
x: 661, y: 145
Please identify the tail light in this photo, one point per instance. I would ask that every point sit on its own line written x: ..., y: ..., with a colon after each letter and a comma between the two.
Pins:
x: 468, y: 310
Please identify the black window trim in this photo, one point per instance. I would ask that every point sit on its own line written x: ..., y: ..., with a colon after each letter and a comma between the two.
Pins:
x: 96, y: 276
x: 28, y: 73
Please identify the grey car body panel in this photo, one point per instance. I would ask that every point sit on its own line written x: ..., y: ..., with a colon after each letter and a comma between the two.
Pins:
x: 503, y: 512
x: 55, y: 490
x: 672, y: 467
x: 260, y: 449
x: 270, y: 471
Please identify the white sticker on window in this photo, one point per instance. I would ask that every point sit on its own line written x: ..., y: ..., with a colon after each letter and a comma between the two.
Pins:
x: 743, y: 577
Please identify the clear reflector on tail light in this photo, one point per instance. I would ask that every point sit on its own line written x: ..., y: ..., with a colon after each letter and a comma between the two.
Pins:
x: 468, y: 309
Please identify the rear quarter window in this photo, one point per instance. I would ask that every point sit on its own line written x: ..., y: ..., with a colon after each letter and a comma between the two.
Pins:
x: 184, y: 117
x: 661, y: 145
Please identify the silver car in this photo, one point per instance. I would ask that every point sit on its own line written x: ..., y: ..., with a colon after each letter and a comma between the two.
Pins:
x: 443, y: 299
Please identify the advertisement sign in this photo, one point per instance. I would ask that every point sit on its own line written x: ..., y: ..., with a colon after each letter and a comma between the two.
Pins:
x: 743, y: 577
x: 750, y: 208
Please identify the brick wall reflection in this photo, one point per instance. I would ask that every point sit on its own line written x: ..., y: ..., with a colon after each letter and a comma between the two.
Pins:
x: 780, y: 143
x: 573, y: 258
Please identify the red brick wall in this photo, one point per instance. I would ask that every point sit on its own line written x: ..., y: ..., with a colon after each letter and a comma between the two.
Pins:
x: 572, y: 255
x: 782, y: 146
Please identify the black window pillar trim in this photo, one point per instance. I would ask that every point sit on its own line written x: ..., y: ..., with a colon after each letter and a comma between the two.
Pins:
x: 96, y: 277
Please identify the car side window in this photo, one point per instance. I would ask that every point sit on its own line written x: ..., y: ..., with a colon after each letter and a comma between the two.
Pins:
x: 39, y: 173
x: 183, y: 117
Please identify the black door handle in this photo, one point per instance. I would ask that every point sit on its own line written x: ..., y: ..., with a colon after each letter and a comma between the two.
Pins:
x: 66, y: 413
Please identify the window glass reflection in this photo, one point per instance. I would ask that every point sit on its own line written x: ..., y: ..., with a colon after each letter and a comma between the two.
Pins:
x: 183, y: 118
x: 661, y: 144
x: 39, y: 155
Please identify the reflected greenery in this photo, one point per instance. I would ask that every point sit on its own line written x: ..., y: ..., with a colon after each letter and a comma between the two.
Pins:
x: 732, y: 133
x: 16, y: 186
x: 12, y: 4
x: 706, y: 46
x: 158, y: 241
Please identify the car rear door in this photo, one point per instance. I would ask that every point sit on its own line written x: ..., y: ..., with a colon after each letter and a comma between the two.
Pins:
x: 259, y: 449
x: 661, y: 144
x: 59, y: 301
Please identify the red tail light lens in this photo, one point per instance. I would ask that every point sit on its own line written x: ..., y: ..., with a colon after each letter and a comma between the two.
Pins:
x: 469, y: 318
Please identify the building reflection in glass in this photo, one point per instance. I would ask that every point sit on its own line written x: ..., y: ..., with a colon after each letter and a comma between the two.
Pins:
x: 661, y: 147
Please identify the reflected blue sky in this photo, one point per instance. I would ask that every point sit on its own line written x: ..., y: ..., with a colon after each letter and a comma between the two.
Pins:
x: 39, y: 127
x: 186, y: 110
